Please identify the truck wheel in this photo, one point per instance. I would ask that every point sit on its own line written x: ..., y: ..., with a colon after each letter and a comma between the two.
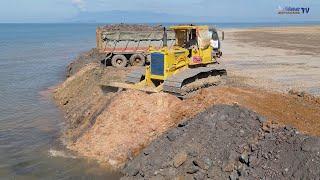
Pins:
x: 137, y: 60
x: 119, y: 60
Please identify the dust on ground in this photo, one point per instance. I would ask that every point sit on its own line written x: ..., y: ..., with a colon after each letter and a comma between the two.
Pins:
x: 228, y: 142
x: 280, y: 58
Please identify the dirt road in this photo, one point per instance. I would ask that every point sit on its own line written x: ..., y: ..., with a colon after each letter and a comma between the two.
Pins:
x: 275, y: 58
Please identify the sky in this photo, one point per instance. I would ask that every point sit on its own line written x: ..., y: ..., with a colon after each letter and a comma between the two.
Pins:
x: 24, y: 11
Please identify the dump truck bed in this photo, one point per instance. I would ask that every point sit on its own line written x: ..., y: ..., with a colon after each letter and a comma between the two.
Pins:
x: 122, y: 39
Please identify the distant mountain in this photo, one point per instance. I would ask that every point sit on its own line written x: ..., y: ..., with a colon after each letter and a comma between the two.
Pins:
x: 154, y: 17
x: 134, y: 17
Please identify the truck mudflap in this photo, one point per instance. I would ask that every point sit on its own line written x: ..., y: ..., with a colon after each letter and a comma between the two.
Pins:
x: 193, y: 79
x: 136, y: 76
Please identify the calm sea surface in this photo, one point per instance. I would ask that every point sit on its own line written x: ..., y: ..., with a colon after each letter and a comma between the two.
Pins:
x: 33, y: 57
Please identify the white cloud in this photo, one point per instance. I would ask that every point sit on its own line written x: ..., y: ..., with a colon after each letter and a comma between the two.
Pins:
x: 80, y: 4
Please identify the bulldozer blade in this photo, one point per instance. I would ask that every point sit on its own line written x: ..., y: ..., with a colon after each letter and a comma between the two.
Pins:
x: 117, y: 86
x: 106, y: 88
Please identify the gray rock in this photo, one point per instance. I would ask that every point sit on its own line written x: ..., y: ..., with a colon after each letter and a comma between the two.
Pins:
x: 192, y: 152
x: 199, y: 175
x: 171, y: 136
x: 311, y: 145
x: 192, y: 169
x: 214, y: 172
x: 132, y: 172
x: 262, y: 119
x: 229, y: 166
x: 157, y: 177
x: 204, y: 163
x: 244, y: 158
x: 234, y: 175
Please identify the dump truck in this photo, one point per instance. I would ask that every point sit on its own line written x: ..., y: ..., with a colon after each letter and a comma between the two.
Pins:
x: 185, y: 67
x: 128, y: 44
x: 125, y: 45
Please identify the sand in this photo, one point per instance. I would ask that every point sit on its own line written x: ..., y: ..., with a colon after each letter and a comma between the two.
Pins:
x: 279, y: 59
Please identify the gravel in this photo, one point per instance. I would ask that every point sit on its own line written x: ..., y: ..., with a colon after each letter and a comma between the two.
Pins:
x: 228, y: 142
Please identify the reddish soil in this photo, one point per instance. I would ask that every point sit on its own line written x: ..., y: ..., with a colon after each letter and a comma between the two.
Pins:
x: 133, y: 119
x: 130, y: 122
x: 298, y: 110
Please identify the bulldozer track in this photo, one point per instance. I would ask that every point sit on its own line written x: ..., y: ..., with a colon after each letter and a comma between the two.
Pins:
x: 200, y: 84
x: 194, y: 79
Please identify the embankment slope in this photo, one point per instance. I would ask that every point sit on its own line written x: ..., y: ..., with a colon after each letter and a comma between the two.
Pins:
x: 113, y: 127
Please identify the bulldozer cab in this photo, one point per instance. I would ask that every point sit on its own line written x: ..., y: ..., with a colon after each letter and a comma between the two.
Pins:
x: 196, y: 39
x: 187, y: 36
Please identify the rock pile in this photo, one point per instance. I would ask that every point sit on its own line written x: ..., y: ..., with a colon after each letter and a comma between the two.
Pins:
x: 131, y: 27
x: 228, y: 142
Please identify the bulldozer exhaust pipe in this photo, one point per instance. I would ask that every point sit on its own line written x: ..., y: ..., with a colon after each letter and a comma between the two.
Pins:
x: 165, y: 37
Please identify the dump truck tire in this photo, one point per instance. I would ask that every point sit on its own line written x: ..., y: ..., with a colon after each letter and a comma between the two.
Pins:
x: 137, y: 60
x: 219, y: 54
x: 119, y: 60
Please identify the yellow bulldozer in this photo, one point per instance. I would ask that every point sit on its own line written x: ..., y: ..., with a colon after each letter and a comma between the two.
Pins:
x: 186, y: 67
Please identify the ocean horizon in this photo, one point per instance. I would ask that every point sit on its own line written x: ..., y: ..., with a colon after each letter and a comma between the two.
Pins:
x: 218, y: 24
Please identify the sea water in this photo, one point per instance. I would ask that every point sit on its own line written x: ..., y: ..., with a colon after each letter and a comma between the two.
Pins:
x: 33, y: 57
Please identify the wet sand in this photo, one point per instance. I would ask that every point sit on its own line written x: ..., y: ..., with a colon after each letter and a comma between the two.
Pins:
x: 280, y: 59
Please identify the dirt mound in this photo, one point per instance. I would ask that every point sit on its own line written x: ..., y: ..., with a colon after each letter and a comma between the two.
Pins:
x: 128, y: 124
x: 82, y: 99
x: 92, y: 56
x: 228, y: 142
x: 113, y: 127
x: 301, y: 112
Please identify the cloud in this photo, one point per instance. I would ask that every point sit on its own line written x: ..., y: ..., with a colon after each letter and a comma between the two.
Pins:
x: 80, y: 4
